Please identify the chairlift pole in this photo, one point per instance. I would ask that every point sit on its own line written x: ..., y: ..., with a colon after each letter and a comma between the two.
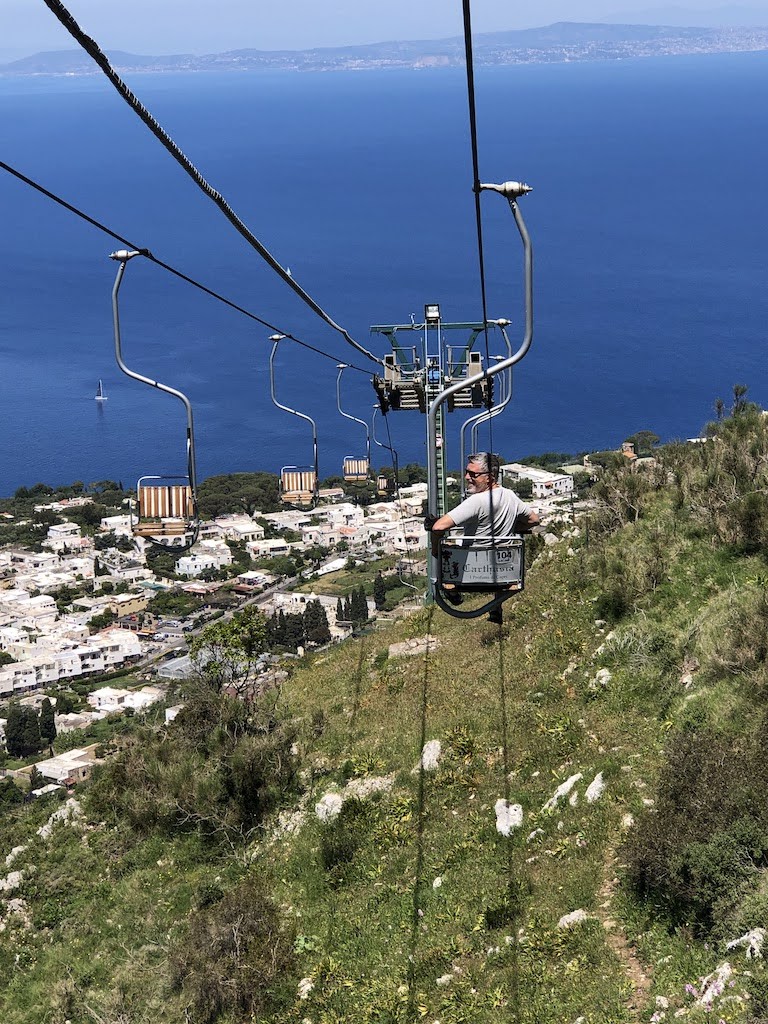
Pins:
x: 486, y: 414
x: 123, y: 256
x: 276, y: 339
x: 511, y: 190
x: 341, y: 367
x: 386, y: 447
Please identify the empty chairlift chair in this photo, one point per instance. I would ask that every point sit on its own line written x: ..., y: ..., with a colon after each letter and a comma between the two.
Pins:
x: 165, y: 511
x: 356, y: 470
x: 385, y: 486
x: 298, y: 484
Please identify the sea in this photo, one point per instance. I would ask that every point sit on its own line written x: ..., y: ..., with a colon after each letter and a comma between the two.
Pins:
x: 648, y: 218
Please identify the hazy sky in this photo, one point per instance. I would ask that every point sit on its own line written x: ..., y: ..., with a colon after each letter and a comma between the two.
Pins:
x: 206, y: 26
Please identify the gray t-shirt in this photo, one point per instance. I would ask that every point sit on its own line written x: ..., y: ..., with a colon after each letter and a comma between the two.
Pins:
x: 489, y: 514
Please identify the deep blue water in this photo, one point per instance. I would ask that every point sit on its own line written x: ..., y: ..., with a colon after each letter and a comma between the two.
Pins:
x: 648, y: 218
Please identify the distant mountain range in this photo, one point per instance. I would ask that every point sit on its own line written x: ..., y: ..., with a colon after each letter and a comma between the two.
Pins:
x: 561, y: 42
x: 671, y: 14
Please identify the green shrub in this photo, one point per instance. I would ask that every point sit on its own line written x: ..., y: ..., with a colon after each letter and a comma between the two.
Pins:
x: 342, y: 838
x: 234, y: 958
x: 611, y: 605
x: 700, y: 849
x: 731, y: 635
x: 221, y: 768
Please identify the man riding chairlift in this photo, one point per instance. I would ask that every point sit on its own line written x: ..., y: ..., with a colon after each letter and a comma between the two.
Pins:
x: 489, y: 511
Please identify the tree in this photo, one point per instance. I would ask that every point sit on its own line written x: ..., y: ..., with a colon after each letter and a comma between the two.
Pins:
x: 524, y: 488
x: 46, y: 518
x: 239, y: 492
x: 358, y: 606
x: 339, y: 611
x: 379, y: 592
x: 316, y: 629
x: 644, y: 441
x: 65, y: 702
x: 22, y: 732
x: 101, y: 621
x: 10, y: 793
x: 276, y: 629
x: 161, y: 562
x: 225, y: 653
x: 739, y: 399
x: 294, y: 630
x: 47, y: 722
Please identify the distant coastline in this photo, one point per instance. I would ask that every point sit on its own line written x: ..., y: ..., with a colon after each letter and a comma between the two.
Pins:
x: 563, y: 42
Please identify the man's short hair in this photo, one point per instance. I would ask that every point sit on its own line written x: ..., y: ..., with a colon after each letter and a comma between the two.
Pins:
x: 488, y: 462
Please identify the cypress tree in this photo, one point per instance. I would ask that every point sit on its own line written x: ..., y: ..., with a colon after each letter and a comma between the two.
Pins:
x: 22, y: 732
x: 379, y: 592
x: 316, y: 624
x: 362, y: 605
x: 294, y: 630
x: 339, y: 610
x: 47, y: 722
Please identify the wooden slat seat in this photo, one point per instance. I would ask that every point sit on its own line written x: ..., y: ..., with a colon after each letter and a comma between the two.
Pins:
x: 355, y: 470
x: 298, y: 486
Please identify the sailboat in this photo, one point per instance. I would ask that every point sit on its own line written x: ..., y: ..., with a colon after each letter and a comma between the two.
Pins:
x: 100, y: 396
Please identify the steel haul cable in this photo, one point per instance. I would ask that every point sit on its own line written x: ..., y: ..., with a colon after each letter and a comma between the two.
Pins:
x: 469, y: 60
x: 514, y: 887
x: 417, y: 911
x: 94, y: 51
x: 400, y: 510
x: 167, y: 266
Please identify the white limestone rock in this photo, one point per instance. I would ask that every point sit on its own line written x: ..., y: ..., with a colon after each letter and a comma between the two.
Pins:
x: 562, y: 791
x: 595, y: 789
x: 69, y: 813
x: 15, y: 852
x: 574, y: 918
x: 361, y: 788
x: 430, y: 755
x: 11, y: 881
x: 329, y: 806
x: 752, y: 942
x: 508, y: 816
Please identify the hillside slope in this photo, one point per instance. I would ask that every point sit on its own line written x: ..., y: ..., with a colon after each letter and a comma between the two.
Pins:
x: 298, y: 859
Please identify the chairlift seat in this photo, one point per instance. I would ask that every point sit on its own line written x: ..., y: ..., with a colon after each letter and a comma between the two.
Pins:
x: 165, y: 501
x: 166, y: 512
x: 479, y: 568
x: 298, y: 486
x: 169, y: 527
x: 355, y: 470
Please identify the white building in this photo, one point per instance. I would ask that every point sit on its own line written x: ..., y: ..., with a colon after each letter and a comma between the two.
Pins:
x: 63, y: 535
x: 241, y: 528
x: 120, y: 525
x: 70, y: 767
x: 343, y: 514
x: 208, y: 554
x: 54, y: 659
x: 545, y: 484
x: 268, y: 548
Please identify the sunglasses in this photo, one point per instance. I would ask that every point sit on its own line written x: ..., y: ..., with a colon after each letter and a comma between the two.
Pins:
x: 474, y: 476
